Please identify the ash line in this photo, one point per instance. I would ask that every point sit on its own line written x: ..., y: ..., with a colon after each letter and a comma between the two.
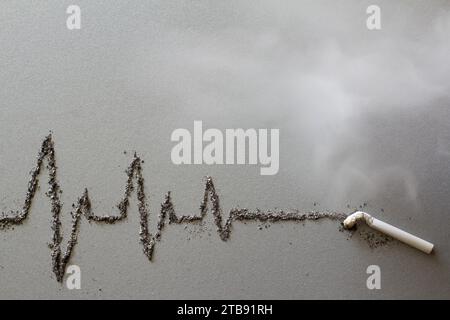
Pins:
x: 135, y: 182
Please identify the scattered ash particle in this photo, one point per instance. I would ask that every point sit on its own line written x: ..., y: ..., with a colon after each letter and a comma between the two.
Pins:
x: 375, y: 239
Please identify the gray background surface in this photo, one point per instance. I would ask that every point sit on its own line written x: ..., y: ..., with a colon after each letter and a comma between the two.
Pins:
x: 363, y: 117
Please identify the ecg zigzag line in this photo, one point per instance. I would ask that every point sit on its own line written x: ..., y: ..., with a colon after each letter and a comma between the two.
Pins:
x: 135, y: 181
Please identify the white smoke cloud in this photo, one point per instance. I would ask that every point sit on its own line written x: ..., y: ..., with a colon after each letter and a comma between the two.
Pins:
x: 354, y: 97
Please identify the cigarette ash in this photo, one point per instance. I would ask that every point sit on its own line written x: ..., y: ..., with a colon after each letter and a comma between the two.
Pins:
x: 135, y: 183
x: 373, y: 238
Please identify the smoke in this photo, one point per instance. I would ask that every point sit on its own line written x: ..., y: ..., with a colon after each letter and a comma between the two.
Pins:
x: 354, y: 99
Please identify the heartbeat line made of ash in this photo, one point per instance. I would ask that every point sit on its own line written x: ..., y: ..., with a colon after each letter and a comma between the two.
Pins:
x: 134, y: 182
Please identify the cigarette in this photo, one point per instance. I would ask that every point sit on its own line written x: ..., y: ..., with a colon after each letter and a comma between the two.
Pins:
x: 390, y: 230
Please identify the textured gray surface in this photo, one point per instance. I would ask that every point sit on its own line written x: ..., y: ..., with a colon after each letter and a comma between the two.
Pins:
x: 363, y: 117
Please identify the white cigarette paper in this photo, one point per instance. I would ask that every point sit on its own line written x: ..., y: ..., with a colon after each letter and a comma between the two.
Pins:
x: 390, y: 230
